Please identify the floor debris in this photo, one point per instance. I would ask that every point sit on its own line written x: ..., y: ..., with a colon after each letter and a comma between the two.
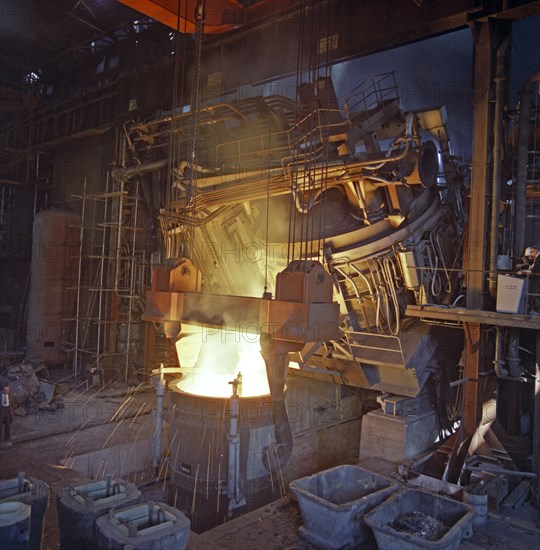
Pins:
x: 420, y: 525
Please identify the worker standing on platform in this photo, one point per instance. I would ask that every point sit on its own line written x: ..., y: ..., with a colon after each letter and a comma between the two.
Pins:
x: 5, y: 416
x: 532, y: 257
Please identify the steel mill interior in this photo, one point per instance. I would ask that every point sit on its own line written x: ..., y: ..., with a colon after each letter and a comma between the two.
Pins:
x: 270, y: 274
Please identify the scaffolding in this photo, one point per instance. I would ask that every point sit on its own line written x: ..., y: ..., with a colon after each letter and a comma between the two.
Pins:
x: 113, y: 271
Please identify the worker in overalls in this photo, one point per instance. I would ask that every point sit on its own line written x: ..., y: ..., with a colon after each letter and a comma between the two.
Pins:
x: 531, y: 255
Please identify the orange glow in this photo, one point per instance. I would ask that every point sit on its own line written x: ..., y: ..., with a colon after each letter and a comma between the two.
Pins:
x: 210, y: 359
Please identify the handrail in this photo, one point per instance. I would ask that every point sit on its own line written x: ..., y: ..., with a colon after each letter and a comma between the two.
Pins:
x: 372, y: 92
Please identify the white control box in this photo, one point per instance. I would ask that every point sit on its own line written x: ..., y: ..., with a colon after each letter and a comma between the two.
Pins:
x: 511, y: 294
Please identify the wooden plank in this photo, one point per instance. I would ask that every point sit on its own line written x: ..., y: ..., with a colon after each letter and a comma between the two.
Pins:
x: 518, y: 495
x: 483, y: 317
x: 480, y: 177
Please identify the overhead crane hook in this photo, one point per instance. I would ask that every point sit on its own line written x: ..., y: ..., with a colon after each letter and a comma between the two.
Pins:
x: 200, y: 12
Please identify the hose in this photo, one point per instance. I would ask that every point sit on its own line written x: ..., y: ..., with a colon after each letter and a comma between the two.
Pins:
x: 387, y: 262
x: 298, y: 201
x: 388, y: 291
x: 436, y: 245
x: 433, y: 272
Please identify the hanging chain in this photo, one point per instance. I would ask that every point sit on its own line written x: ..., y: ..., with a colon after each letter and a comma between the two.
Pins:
x: 166, y: 223
x: 295, y: 142
x: 309, y: 177
x: 191, y: 184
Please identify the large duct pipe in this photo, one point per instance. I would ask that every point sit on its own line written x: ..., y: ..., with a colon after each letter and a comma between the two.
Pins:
x: 513, y: 353
x: 500, y: 78
x: 498, y: 362
x: 522, y: 160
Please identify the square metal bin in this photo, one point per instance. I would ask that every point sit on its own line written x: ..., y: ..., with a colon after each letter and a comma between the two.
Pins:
x: 456, y: 516
x: 333, y: 502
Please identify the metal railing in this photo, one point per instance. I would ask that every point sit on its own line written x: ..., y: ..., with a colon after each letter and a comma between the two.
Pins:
x: 371, y: 93
x: 304, y: 140
x: 372, y: 348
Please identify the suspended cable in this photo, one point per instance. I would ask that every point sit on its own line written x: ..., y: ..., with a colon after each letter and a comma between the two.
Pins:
x: 267, y: 233
x: 180, y: 155
x: 534, y: 163
x: 324, y: 187
x: 295, y: 141
x: 191, y: 182
x: 165, y: 221
x: 321, y: 131
x: 311, y: 141
x: 265, y: 294
x: 309, y: 180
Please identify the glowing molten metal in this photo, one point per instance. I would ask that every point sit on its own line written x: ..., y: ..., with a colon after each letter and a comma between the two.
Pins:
x: 210, y: 359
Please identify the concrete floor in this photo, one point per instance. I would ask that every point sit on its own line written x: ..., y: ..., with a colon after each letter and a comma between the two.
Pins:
x: 110, y: 431
x: 79, y: 442
x: 274, y: 527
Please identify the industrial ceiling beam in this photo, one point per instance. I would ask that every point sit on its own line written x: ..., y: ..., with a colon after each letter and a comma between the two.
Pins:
x: 220, y: 17
x: 266, y: 46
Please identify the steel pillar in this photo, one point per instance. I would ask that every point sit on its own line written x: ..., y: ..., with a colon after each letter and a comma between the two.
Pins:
x: 536, y: 425
x: 481, y: 177
x: 487, y: 36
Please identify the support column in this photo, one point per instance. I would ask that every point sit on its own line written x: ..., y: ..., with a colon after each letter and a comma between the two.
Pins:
x: 484, y: 67
x: 536, y: 425
x: 482, y: 120
x: 487, y: 36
